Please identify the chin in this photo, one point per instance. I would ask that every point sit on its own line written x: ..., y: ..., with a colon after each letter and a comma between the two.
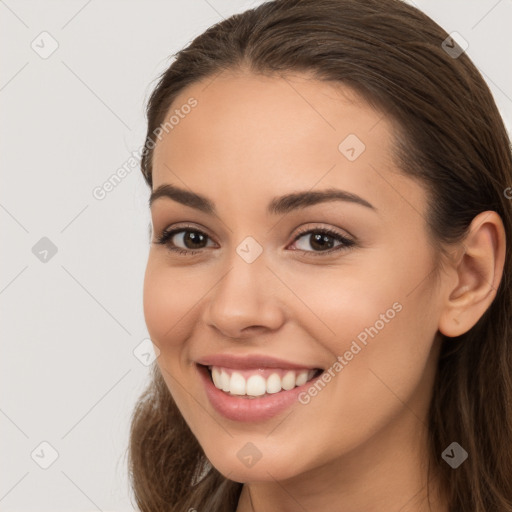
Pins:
x: 266, y: 469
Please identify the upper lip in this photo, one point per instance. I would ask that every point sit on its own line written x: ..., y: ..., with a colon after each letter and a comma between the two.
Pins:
x: 250, y: 362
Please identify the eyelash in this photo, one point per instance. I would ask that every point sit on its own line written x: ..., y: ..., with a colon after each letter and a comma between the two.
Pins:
x: 346, y: 243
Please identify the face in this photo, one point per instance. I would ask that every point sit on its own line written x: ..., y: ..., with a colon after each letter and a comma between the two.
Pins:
x: 343, y: 285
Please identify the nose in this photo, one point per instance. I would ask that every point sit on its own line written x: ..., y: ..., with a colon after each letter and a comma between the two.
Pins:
x: 245, y: 301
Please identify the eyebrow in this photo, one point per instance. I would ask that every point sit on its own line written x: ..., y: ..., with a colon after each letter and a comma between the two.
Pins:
x: 277, y: 206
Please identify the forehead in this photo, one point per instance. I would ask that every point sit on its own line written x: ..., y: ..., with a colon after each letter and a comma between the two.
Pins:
x: 247, y: 115
x: 278, y: 133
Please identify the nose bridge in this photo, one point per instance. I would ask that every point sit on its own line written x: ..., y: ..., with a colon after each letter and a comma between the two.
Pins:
x: 244, y: 296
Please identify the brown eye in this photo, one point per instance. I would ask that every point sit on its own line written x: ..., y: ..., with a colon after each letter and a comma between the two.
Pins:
x: 322, y: 241
x: 183, y: 240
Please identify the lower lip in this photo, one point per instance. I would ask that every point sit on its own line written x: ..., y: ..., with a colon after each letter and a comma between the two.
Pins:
x: 250, y: 409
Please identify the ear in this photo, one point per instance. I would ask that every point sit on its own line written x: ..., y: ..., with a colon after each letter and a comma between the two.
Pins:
x: 477, y: 274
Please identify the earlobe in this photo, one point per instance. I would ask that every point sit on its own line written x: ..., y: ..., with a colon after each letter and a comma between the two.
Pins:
x: 478, y: 270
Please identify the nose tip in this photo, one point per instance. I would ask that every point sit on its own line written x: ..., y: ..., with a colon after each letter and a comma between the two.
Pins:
x: 242, y: 305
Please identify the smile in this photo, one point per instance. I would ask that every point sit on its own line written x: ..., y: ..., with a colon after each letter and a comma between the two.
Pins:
x: 259, y: 382
x: 254, y: 407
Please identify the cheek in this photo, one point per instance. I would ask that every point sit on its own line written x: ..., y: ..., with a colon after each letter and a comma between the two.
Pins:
x: 337, y: 305
x: 380, y: 317
x: 390, y: 324
x: 168, y: 297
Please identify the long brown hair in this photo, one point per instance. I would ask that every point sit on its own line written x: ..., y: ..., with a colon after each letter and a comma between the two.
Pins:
x: 451, y: 137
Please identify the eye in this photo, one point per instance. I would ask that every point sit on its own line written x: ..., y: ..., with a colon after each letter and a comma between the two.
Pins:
x: 322, y: 239
x: 190, y: 237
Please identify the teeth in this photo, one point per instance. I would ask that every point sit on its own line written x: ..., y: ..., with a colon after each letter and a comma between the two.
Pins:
x: 237, y: 384
x: 257, y: 385
x: 274, y: 383
x: 302, y: 378
x: 216, y: 377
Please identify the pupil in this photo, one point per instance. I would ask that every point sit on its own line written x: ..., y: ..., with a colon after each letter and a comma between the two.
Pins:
x: 193, y: 237
x: 322, y: 239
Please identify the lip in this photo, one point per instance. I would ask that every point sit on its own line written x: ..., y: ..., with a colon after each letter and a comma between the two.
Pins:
x: 250, y: 409
x: 251, y: 362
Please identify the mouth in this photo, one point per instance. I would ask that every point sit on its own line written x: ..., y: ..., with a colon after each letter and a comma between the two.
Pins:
x: 258, y: 382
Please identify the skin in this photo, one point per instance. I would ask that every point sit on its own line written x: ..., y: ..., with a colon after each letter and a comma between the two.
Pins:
x: 360, y: 444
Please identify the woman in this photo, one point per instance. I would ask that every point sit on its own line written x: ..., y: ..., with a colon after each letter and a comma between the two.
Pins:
x: 328, y: 283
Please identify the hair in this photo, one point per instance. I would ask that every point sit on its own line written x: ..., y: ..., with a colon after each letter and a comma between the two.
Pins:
x: 450, y: 136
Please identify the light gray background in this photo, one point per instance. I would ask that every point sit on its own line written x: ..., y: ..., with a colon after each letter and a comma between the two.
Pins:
x: 70, y: 325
